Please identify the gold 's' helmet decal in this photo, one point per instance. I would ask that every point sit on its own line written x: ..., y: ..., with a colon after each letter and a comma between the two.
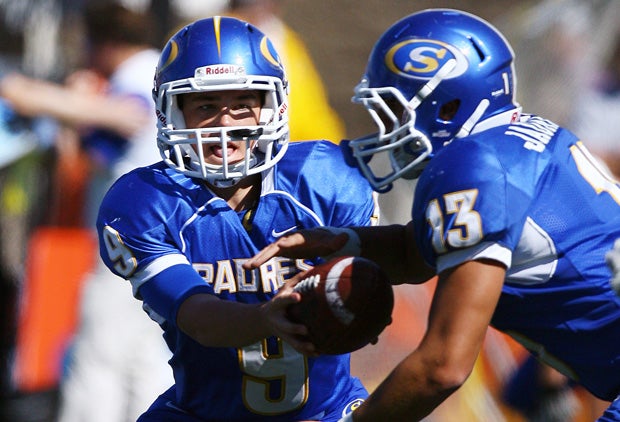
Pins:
x: 422, y: 58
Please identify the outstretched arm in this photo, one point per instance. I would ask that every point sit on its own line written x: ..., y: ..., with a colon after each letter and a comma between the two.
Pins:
x: 74, y: 105
x: 214, y: 322
x: 392, y: 247
x: 219, y: 323
x: 462, y: 307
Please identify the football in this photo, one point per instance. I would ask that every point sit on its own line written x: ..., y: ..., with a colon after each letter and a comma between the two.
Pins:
x: 346, y: 303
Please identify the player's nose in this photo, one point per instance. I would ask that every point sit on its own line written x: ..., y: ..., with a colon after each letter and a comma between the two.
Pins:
x: 225, y: 118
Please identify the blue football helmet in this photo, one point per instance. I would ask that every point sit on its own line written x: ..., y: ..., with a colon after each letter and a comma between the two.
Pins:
x: 217, y: 54
x: 431, y: 78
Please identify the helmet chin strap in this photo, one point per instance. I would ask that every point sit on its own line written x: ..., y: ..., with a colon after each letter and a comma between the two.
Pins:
x: 226, y: 183
x: 473, y: 119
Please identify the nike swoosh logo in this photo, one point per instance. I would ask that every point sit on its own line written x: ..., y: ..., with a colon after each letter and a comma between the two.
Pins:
x: 274, y: 233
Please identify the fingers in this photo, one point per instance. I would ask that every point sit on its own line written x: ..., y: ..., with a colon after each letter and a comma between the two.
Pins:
x: 293, y: 333
x: 261, y: 257
x: 302, y: 346
x: 296, y: 335
x: 285, y: 246
x: 291, y: 282
x: 302, y: 244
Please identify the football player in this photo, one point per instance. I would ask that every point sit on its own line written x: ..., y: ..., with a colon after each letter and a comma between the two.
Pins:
x: 510, y: 210
x: 229, y: 184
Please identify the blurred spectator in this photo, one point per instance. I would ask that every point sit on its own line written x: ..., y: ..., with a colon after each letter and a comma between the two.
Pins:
x: 597, y: 115
x: 315, y: 118
x: 21, y: 189
x: 118, y: 362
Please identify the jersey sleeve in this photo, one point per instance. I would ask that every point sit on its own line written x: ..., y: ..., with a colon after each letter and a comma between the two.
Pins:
x: 467, y: 206
x: 132, y: 227
x: 137, y: 242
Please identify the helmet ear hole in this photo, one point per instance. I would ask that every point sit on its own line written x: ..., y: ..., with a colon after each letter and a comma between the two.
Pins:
x: 448, y: 110
x: 176, y: 113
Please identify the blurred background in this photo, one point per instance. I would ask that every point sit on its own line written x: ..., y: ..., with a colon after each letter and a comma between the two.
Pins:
x: 567, y: 68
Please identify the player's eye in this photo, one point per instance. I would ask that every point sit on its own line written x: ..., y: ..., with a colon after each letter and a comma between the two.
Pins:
x: 208, y: 107
x: 242, y: 106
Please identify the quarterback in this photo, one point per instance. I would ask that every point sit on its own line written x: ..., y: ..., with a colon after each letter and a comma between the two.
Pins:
x: 228, y: 184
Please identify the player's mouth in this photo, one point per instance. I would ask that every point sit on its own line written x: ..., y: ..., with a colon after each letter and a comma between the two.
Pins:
x: 218, y: 151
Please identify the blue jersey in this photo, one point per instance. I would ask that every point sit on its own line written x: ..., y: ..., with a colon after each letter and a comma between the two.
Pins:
x: 154, y: 218
x: 529, y: 194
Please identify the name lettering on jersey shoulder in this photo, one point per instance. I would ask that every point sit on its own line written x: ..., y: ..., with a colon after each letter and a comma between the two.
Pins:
x: 228, y: 275
x: 536, y: 132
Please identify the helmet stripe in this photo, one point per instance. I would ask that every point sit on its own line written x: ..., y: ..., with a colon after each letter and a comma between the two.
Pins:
x: 264, y: 49
x: 216, y: 28
x: 172, y: 55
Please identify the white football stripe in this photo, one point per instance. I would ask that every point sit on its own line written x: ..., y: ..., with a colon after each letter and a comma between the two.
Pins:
x: 334, y: 301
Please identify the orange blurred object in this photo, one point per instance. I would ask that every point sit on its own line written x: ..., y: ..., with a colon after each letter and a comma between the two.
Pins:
x: 57, y: 262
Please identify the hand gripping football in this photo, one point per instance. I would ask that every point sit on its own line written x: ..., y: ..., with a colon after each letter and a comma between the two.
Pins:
x: 346, y: 303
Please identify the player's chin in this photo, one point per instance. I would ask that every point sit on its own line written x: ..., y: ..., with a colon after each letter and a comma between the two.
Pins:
x: 219, y: 162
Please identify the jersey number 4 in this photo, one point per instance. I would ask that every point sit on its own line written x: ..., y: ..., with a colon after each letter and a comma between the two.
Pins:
x: 592, y: 172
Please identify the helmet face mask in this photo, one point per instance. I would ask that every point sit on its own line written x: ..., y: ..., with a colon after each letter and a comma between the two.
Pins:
x: 404, y: 147
x: 212, y: 55
x: 431, y: 77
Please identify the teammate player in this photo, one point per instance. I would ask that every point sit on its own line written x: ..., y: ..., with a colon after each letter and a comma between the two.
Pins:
x: 229, y: 184
x: 510, y: 210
